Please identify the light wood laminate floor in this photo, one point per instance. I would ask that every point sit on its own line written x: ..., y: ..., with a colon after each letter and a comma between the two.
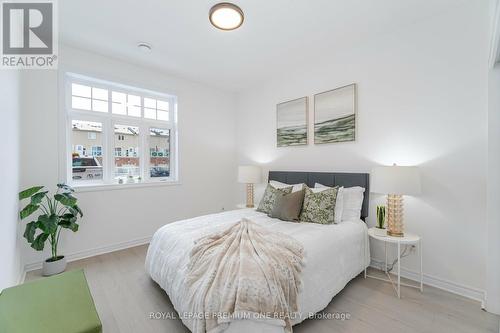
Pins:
x: 125, y: 296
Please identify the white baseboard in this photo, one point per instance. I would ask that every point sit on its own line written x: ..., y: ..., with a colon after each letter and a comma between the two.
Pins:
x: 453, y: 287
x: 22, y: 277
x: 92, y: 252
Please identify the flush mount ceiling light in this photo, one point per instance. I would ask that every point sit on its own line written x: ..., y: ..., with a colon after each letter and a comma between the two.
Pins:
x: 144, y: 47
x: 226, y: 16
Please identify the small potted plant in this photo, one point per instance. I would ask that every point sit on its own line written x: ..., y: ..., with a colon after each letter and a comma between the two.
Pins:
x: 380, y: 227
x: 56, y: 212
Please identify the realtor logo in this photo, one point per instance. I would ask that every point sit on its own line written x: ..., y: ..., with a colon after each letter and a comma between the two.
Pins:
x: 29, y: 36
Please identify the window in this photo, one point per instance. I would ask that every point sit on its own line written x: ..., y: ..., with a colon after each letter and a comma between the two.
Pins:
x: 86, y: 156
x: 156, y: 109
x: 118, y: 134
x: 127, y: 166
x: 159, y: 152
x: 126, y: 104
x: 89, y: 98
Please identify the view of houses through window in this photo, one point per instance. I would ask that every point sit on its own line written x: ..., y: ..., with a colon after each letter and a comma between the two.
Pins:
x: 139, y: 148
x: 127, y: 161
x: 159, y: 151
x: 86, y: 136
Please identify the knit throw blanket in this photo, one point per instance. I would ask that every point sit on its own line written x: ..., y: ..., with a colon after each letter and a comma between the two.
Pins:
x: 244, y: 272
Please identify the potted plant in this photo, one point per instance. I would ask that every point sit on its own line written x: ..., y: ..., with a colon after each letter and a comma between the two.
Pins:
x: 56, y: 212
x: 380, y: 227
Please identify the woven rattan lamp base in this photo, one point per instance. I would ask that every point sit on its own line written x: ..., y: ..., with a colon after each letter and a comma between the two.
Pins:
x: 395, y: 226
x: 250, y: 203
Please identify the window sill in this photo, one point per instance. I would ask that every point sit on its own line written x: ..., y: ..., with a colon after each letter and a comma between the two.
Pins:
x: 111, y: 187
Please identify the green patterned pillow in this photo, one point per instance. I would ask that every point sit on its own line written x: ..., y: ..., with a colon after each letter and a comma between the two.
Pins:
x: 267, y: 203
x: 319, y: 207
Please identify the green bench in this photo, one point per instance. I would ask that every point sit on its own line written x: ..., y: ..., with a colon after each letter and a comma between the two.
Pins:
x: 56, y: 304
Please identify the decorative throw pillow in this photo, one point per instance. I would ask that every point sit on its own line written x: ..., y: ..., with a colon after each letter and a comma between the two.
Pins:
x: 287, y: 207
x: 319, y: 207
x: 339, y: 202
x: 267, y: 202
x: 295, y: 187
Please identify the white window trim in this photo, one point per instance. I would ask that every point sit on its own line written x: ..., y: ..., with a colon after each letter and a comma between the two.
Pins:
x: 108, y: 119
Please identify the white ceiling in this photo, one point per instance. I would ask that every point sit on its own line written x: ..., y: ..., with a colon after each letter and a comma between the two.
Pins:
x: 276, y: 35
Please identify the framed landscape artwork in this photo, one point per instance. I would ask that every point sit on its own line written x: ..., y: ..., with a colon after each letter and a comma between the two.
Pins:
x: 335, y: 115
x: 291, y: 122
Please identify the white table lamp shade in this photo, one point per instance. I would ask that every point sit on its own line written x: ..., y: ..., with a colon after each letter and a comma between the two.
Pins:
x: 395, y: 180
x: 249, y: 174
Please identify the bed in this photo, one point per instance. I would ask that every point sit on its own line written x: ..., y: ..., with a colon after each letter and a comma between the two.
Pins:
x: 334, y: 253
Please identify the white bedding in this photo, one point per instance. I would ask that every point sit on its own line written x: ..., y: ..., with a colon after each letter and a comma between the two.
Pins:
x: 334, y: 255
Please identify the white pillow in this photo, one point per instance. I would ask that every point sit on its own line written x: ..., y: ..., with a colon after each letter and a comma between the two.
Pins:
x: 353, y: 201
x: 339, y: 202
x: 278, y: 185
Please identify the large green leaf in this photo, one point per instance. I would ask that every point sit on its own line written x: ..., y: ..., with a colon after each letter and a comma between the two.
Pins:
x: 66, y: 199
x: 29, y: 192
x: 38, y: 197
x: 69, y: 217
x: 66, y: 187
x: 39, y: 242
x: 72, y: 211
x: 29, y: 233
x: 28, y: 210
x: 69, y: 225
x: 75, y: 207
x: 48, y: 224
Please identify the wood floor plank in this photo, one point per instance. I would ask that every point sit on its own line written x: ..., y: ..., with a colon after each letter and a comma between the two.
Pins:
x: 125, y: 297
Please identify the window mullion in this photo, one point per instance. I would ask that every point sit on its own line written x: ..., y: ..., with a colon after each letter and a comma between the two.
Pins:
x: 109, y: 143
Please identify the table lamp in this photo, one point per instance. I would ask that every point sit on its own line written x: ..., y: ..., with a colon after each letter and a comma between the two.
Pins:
x: 250, y: 175
x: 395, y: 181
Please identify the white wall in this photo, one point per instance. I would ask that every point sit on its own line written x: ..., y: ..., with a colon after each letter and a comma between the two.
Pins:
x: 206, y: 151
x: 493, y: 254
x: 9, y: 165
x: 422, y: 100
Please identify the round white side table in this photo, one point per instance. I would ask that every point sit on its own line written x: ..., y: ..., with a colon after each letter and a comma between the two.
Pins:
x: 407, y: 239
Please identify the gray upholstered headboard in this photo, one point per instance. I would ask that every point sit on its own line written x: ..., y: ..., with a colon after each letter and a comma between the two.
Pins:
x: 328, y: 179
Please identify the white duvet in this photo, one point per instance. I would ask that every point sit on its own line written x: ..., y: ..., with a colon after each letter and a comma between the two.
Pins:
x: 334, y: 254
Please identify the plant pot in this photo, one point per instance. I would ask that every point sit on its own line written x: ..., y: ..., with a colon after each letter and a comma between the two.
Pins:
x: 52, y: 267
x: 380, y: 232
